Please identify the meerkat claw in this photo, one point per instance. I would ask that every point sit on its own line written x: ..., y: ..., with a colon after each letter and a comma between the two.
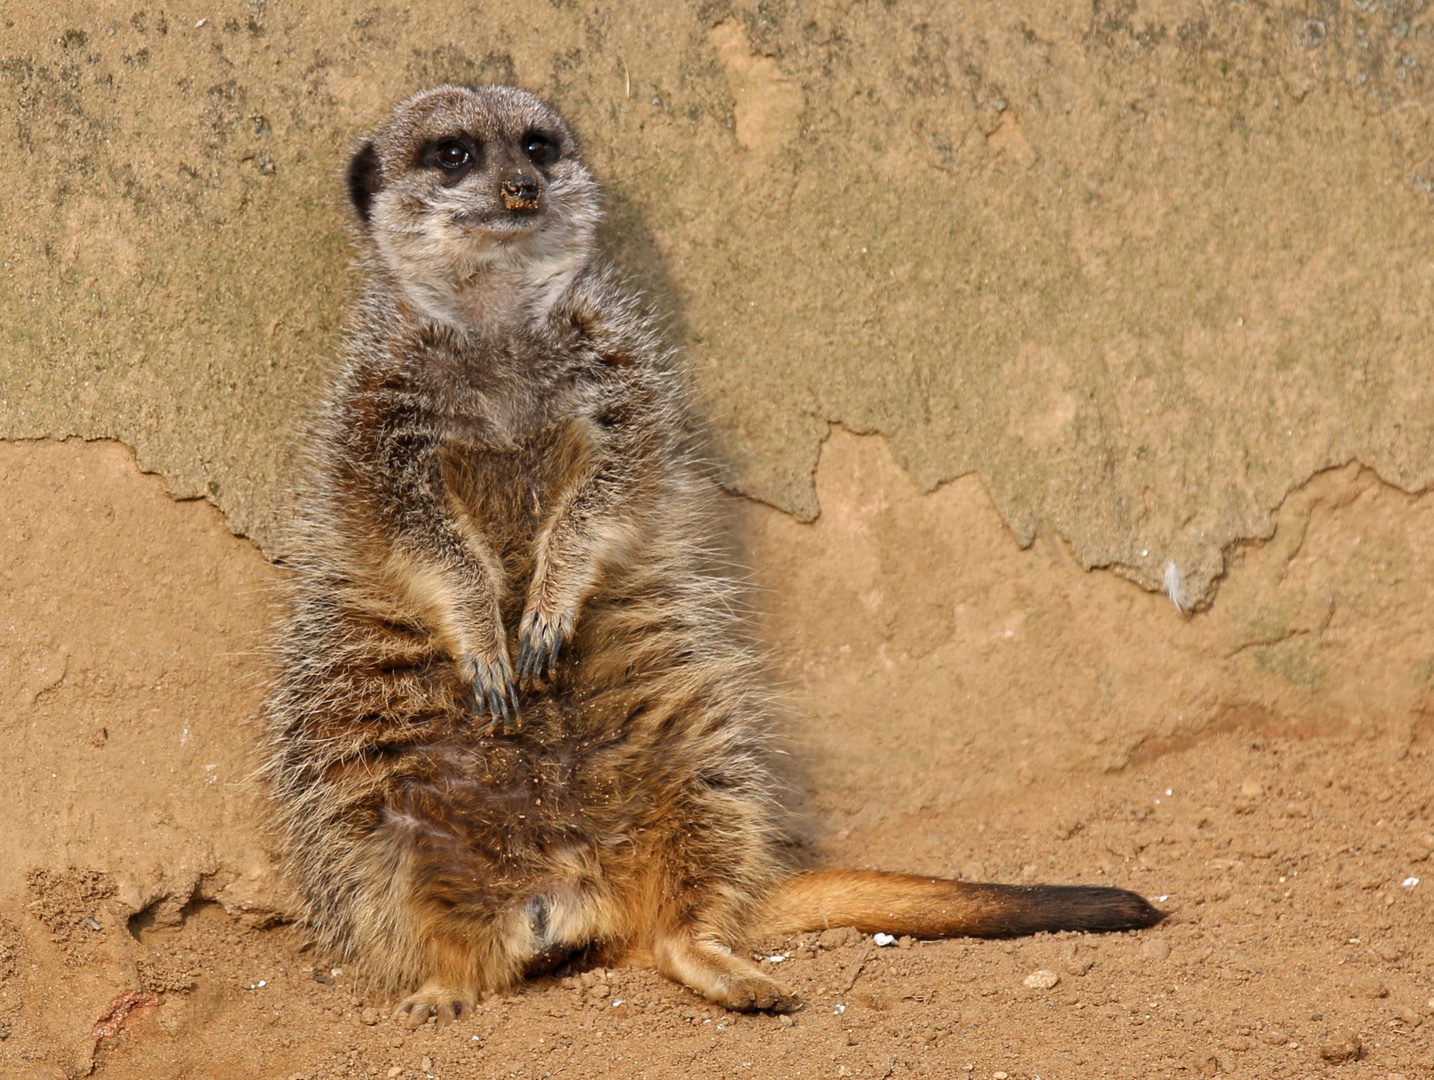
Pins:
x: 543, y: 637
x: 535, y: 660
x: 438, y: 1004
x: 494, y: 694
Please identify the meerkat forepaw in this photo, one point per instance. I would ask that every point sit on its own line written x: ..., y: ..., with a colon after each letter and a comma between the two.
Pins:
x: 542, y: 637
x: 495, y: 694
x: 442, y: 1004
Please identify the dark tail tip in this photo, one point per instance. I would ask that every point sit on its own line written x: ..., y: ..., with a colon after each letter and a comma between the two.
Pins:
x: 1121, y: 909
x: 1098, y: 910
x: 1032, y: 909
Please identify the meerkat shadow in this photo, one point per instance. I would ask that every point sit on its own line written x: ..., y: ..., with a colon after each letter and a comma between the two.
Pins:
x: 631, y: 247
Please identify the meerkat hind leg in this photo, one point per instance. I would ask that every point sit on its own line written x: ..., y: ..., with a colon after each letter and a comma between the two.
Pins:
x: 463, y: 958
x: 455, y: 978
x: 712, y: 971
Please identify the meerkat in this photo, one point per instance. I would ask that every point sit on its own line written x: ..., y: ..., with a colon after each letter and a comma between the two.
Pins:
x: 517, y: 720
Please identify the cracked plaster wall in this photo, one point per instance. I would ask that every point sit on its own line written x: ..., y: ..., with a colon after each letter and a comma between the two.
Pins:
x: 1142, y: 267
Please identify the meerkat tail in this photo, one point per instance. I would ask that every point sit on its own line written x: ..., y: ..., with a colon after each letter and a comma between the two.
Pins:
x: 927, y: 907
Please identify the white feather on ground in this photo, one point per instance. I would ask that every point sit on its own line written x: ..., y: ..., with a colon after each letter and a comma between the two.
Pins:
x: 1175, y: 587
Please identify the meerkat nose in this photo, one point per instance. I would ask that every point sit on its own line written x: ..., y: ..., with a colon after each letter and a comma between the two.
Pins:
x: 520, y: 193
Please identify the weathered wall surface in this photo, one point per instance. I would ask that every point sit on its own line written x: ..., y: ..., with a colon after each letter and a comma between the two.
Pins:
x: 1142, y: 267
x: 931, y: 659
x: 129, y: 680
x: 924, y: 653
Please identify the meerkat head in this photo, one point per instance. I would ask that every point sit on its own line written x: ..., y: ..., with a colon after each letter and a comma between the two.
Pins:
x: 472, y: 190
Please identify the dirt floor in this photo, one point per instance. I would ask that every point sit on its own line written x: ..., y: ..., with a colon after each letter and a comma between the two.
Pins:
x: 960, y: 706
x: 1298, y: 946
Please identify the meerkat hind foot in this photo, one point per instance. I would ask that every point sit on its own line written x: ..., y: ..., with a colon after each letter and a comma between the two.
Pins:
x: 442, y: 1003
x: 725, y: 980
x: 752, y: 992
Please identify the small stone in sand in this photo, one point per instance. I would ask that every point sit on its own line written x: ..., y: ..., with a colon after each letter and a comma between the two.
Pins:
x: 1341, y: 1049
x: 1368, y: 986
x: 1041, y: 980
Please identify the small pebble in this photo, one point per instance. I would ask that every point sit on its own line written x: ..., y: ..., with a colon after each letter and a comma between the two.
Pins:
x: 1368, y: 987
x: 785, y: 1020
x: 371, y: 1017
x: 838, y: 937
x: 1274, y: 1037
x: 397, y: 1070
x: 396, y: 1041
x: 1238, y: 1043
x: 1041, y: 980
x: 1078, y: 965
x: 599, y: 991
x: 998, y: 1076
x: 1156, y: 949
x: 426, y: 1064
x: 1252, y: 789
x: 883, y: 939
x: 1341, y: 1049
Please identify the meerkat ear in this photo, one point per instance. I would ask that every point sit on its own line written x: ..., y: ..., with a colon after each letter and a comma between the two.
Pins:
x: 365, y: 178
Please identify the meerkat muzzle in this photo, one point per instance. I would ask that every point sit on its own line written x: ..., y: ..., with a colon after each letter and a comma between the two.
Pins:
x: 520, y: 194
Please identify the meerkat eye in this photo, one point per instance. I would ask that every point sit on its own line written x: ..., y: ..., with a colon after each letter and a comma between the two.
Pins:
x: 540, y: 149
x: 452, y: 154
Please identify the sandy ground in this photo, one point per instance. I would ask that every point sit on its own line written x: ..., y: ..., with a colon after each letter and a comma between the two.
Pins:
x: 1298, y: 946
x: 960, y: 706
